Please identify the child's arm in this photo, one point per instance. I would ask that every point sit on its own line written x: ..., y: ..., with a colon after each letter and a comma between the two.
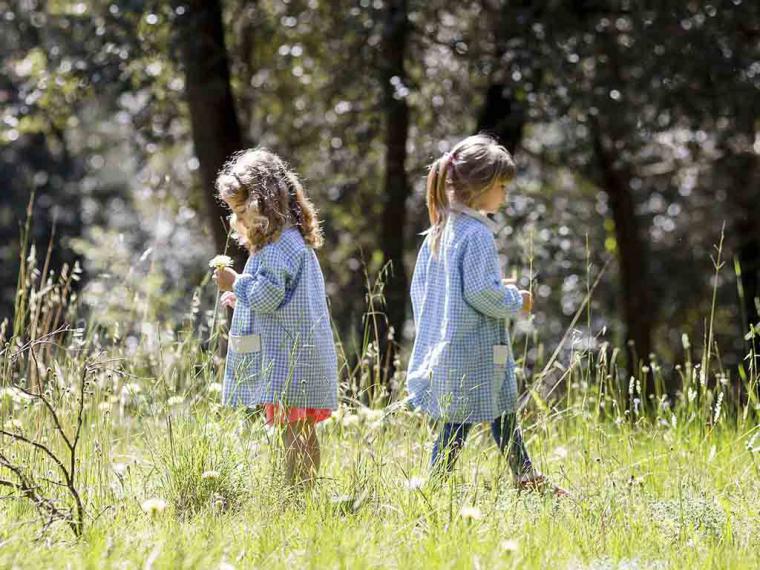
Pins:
x: 264, y: 291
x: 481, y: 279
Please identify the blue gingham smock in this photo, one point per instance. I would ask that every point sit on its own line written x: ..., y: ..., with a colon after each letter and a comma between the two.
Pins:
x: 461, y: 368
x: 281, y: 347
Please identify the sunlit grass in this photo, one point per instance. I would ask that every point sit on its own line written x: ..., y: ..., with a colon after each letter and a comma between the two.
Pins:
x: 171, y: 479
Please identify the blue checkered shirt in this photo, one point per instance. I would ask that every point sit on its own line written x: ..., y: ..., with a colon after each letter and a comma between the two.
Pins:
x: 461, y: 368
x: 281, y: 347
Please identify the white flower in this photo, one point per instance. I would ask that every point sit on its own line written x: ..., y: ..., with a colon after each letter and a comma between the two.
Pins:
x: 220, y: 261
x: 471, y: 513
x: 370, y: 415
x: 175, y: 400
x: 210, y: 474
x: 215, y: 388
x: 131, y: 389
x: 509, y: 545
x: 414, y: 483
x: 350, y: 420
x: 559, y: 452
x: 104, y: 406
x: 153, y: 506
x: 120, y: 468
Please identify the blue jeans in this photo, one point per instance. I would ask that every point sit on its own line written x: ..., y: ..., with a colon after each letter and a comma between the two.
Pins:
x: 506, y: 433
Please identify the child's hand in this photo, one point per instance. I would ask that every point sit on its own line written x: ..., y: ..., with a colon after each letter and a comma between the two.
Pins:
x: 228, y: 299
x: 527, y: 301
x: 224, y: 277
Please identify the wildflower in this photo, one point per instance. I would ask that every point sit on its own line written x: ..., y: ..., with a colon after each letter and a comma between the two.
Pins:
x: 153, y: 506
x: 210, y: 474
x: 120, y: 468
x: 471, y: 513
x: 370, y: 415
x: 175, y: 400
x: 350, y: 420
x: 215, y: 388
x: 131, y: 389
x: 220, y: 261
x: 414, y: 483
x: 560, y: 452
x: 104, y: 407
x: 509, y: 545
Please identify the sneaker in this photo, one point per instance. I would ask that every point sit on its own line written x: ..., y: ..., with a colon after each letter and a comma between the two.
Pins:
x: 538, y: 483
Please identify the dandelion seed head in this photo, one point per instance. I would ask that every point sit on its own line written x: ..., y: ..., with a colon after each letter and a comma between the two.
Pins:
x: 175, y: 400
x: 509, y: 545
x: 471, y: 513
x: 414, y: 483
x: 220, y: 261
x: 154, y: 506
x: 559, y: 452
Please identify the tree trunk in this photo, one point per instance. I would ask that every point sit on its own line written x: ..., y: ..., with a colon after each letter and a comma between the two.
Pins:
x: 395, y: 186
x: 214, y: 122
x: 631, y: 250
x: 502, y: 117
x: 746, y: 231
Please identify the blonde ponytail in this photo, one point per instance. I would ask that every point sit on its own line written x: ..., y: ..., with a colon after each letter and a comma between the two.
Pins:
x: 471, y: 168
x: 437, y: 199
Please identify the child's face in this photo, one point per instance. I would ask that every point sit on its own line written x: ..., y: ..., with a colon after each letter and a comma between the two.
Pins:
x: 493, y: 198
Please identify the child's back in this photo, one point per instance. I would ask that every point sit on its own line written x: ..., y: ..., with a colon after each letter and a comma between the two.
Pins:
x: 461, y: 370
x: 281, y: 353
x: 288, y: 309
x: 461, y: 367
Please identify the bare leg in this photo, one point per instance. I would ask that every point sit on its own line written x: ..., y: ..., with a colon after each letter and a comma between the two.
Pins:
x: 301, y: 453
x: 315, y: 454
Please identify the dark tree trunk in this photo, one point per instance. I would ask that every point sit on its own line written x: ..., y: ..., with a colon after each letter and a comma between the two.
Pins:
x: 395, y: 186
x: 631, y: 250
x: 743, y: 196
x: 502, y: 117
x: 214, y: 122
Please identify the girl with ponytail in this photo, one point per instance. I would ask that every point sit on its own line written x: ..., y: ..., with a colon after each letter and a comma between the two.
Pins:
x: 281, y: 352
x: 461, y: 371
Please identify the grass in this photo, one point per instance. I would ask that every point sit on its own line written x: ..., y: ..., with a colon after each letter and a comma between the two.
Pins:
x: 644, y: 497
x: 170, y: 479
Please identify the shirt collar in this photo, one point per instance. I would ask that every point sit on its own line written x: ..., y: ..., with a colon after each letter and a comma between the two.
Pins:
x: 467, y: 211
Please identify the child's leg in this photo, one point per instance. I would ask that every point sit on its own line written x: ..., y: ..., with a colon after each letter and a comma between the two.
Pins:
x: 302, y: 455
x: 508, y: 437
x: 447, y: 447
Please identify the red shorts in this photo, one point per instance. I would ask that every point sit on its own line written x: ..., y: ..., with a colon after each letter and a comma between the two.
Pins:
x: 277, y: 414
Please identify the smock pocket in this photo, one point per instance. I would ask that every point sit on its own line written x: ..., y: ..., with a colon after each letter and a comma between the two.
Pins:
x: 500, y: 360
x: 243, y: 362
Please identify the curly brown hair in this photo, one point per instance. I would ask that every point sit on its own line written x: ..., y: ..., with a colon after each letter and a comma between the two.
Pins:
x: 265, y: 196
